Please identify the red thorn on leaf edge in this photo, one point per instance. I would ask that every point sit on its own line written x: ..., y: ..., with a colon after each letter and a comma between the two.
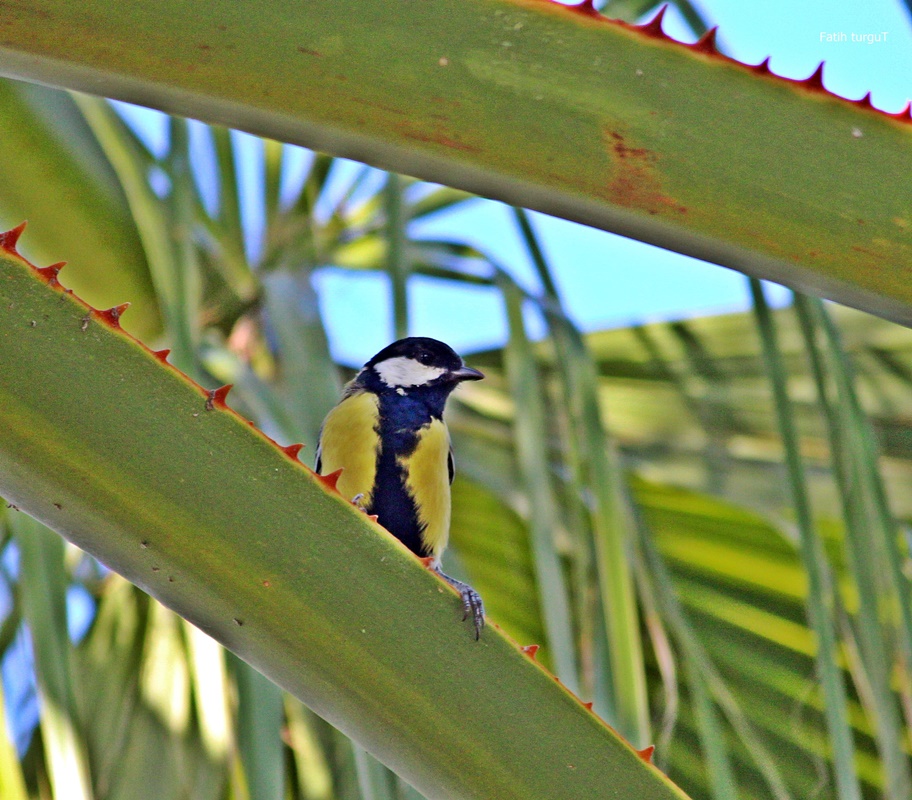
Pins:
x: 653, y: 28
x: 428, y: 561
x: 292, y: 450
x: 331, y: 481
x: 586, y: 8
x: 376, y: 518
x: 646, y: 753
x: 706, y: 43
x: 49, y: 274
x: 763, y: 68
x: 531, y: 649
x: 815, y: 81
x: 865, y: 101
x: 588, y: 705
x: 112, y: 315
x: 9, y: 238
x: 216, y: 398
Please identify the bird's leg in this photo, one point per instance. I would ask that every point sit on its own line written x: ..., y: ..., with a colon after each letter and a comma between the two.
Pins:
x: 471, y: 601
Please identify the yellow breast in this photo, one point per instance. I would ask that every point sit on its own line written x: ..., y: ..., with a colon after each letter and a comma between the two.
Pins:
x: 428, y: 482
x: 350, y: 442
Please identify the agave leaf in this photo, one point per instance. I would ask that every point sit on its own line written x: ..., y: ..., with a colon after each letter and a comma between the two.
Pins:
x: 39, y: 165
x: 139, y: 466
x: 529, y: 102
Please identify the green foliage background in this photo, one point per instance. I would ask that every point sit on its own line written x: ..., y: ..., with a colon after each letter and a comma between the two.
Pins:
x: 703, y: 523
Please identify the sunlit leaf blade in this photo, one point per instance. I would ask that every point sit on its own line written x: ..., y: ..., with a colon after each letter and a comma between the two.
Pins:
x: 12, y: 781
x: 821, y: 598
x: 531, y: 448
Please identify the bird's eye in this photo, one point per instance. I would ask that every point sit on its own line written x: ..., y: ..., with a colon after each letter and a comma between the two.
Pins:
x: 424, y: 357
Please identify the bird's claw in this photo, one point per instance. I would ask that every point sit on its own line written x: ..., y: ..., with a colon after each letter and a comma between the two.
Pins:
x: 471, y: 602
x: 357, y: 502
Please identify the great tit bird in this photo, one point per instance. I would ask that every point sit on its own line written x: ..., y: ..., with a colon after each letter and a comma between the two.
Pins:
x: 388, y: 437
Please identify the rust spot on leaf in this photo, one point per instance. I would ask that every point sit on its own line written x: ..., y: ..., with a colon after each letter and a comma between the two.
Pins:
x: 409, y: 130
x: 635, y: 183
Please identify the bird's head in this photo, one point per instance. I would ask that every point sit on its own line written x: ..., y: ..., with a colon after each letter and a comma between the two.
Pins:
x: 417, y: 363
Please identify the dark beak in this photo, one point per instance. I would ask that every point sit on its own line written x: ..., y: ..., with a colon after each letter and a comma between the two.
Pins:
x: 466, y: 374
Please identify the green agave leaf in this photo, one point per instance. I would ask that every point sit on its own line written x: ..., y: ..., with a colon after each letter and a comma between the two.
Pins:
x: 532, y: 103
x: 39, y: 166
x: 135, y: 464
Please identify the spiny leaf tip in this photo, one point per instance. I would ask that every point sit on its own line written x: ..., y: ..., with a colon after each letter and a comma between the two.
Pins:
x: 815, y: 81
x: 654, y: 26
x: 586, y: 7
x: 9, y: 238
x: 112, y: 315
x: 292, y: 450
x: 905, y: 114
x: 706, y: 43
x: 49, y: 274
x: 331, y: 480
x: 216, y: 398
x: 763, y: 68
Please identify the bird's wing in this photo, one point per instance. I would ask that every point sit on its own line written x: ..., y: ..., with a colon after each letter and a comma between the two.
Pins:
x: 451, y: 465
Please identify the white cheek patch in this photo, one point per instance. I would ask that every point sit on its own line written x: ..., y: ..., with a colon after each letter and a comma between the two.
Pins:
x: 403, y: 371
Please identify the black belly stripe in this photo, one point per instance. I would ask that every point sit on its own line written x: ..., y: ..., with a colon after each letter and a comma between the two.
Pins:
x: 401, y: 418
